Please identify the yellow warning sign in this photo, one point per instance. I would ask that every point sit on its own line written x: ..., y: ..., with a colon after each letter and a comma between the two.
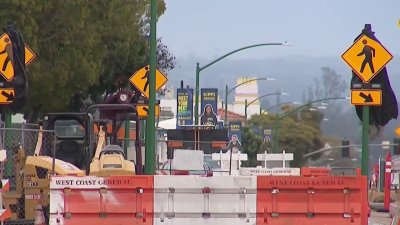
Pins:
x: 366, y: 97
x: 140, y: 80
x: 397, y: 131
x: 366, y: 57
x: 7, y: 57
x: 143, y: 110
x: 7, y: 95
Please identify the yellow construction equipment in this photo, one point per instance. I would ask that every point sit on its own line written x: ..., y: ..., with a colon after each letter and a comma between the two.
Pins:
x: 81, y: 148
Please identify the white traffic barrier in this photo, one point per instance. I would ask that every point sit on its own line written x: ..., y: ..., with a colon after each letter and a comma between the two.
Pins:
x: 196, y: 200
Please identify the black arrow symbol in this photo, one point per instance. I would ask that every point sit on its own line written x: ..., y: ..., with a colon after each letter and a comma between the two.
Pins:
x: 10, y: 96
x: 146, y: 109
x: 367, y: 98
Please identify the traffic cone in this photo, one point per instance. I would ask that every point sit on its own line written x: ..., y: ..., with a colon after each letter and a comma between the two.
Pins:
x: 39, y: 220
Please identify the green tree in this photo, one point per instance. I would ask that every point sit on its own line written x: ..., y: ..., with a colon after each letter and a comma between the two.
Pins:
x: 297, y: 137
x: 84, y: 48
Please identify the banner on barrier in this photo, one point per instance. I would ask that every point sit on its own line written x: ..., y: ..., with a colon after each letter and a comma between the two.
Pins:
x: 273, y: 172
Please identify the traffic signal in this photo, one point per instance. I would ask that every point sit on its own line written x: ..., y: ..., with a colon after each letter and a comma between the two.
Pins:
x: 396, y: 146
x: 345, y: 148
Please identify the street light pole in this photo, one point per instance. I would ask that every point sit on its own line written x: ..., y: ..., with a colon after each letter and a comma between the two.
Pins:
x: 199, y: 69
x: 150, y: 159
x: 284, y: 115
x: 229, y: 91
x: 263, y: 96
x: 277, y: 105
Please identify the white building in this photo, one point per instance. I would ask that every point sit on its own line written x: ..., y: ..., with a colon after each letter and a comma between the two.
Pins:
x: 247, y: 91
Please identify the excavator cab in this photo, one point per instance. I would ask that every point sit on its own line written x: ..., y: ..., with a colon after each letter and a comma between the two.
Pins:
x: 72, y: 137
x: 109, y: 158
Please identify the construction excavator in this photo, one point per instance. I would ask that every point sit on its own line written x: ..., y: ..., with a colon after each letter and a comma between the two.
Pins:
x: 85, y: 144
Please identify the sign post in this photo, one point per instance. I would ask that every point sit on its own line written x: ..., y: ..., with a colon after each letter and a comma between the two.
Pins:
x: 366, y: 57
x: 10, y: 67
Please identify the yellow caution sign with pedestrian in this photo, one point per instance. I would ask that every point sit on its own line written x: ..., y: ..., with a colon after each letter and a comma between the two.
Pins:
x: 8, y: 59
x: 366, y: 57
x: 140, y: 80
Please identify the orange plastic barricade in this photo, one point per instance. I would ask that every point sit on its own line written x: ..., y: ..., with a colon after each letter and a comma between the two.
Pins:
x: 327, y: 200
x: 101, y: 200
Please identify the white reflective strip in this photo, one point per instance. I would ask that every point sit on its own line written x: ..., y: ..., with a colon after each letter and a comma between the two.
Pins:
x: 388, y: 170
x: 56, y: 201
x: 389, y: 163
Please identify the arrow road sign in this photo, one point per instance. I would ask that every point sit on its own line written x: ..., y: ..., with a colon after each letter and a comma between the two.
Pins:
x: 143, y: 110
x: 372, y: 97
x: 7, y: 95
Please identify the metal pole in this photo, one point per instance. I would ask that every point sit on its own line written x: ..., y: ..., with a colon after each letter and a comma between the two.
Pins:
x: 245, y: 109
x: 196, y: 103
x: 126, y: 142
x: 226, y: 104
x: 150, y: 125
x: 275, y: 140
x: 8, y: 143
x: 365, y: 137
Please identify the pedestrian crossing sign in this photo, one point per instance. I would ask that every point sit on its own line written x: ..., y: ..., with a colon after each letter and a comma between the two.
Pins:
x: 367, y: 58
x: 7, y: 57
x: 140, y: 80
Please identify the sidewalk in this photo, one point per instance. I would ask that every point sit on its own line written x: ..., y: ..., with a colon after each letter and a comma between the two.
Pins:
x: 378, y: 218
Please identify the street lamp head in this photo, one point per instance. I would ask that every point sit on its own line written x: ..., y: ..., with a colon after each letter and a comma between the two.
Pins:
x: 287, y: 43
x: 270, y: 79
x: 296, y: 103
x: 284, y: 93
x: 348, y: 97
x: 321, y: 107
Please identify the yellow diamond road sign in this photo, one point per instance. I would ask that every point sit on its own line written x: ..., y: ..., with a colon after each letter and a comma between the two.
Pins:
x: 143, y: 110
x: 397, y: 131
x: 140, y: 80
x: 7, y: 57
x: 366, y: 57
x: 7, y: 95
x: 372, y: 97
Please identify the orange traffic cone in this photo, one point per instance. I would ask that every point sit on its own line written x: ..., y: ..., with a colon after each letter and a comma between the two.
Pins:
x: 39, y: 220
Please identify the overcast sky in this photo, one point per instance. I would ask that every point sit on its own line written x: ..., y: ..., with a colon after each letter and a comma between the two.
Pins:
x: 210, y: 28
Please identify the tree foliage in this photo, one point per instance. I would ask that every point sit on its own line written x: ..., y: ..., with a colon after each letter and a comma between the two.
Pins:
x: 84, y: 48
x: 297, y: 137
x: 330, y: 84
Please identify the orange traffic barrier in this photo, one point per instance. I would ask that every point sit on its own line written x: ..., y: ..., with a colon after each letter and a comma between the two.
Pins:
x: 103, y: 200
x: 328, y: 200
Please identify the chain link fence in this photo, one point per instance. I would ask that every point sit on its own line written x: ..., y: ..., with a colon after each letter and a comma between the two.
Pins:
x: 28, y: 166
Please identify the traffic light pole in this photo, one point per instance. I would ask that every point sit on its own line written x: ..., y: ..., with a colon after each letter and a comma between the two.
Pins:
x: 365, y: 141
